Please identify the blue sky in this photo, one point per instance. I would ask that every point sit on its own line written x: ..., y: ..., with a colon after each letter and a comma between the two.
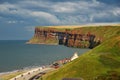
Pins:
x: 18, y: 18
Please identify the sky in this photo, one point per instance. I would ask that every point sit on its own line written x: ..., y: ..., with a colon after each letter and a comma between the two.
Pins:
x: 18, y: 18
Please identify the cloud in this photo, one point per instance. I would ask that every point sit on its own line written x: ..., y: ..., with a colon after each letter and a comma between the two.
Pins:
x: 12, y: 22
x: 116, y: 12
x: 59, y: 12
x: 75, y: 7
x: 45, y: 16
x: 111, y: 2
x: 16, y: 10
x: 66, y: 7
x: 6, y: 7
x: 19, y: 16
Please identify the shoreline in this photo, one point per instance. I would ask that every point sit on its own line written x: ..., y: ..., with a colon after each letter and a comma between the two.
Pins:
x: 8, y: 72
x: 42, y: 43
x: 21, y: 69
x: 32, y: 72
x: 16, y: 70
x: 26, y: 72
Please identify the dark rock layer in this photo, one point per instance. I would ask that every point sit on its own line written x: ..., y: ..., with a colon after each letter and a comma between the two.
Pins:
x: 67, y: 37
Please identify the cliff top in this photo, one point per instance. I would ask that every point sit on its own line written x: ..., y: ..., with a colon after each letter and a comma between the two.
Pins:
x: 102, y: 62
x: 82, y: 25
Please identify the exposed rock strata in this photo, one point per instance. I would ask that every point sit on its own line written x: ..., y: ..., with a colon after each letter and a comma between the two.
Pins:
x: 67, y: 37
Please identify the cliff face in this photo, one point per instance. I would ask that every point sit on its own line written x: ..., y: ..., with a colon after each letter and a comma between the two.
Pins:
x: 65, y: 36
x: 44, y: 36
x: 100, y: 63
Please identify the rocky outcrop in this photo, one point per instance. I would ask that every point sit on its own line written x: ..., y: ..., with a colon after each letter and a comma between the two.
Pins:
x: 67, y: 37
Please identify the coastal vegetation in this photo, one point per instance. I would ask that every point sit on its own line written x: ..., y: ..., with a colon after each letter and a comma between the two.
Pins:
x: 100, y: 63
x: 80, y: 37
x: 11, y: 75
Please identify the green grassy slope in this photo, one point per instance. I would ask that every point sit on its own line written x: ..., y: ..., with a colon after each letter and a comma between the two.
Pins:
x: 102, y: 33
x: 100, y: 63
x: 40, y: 40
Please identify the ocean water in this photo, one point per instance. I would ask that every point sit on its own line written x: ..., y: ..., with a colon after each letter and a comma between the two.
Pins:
x: 15, y: 54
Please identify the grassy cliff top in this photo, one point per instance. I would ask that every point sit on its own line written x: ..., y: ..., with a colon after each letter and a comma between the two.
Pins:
x: 79, y: 26
x: 102, y: 32
x: 102, y: 62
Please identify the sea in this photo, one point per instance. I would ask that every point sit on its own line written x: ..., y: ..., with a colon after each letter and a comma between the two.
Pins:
x: 16, y: 54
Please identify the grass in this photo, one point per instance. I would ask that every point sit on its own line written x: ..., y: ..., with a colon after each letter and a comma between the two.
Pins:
x: 102, y: 33
x: 10, y: 75
x: 100, y: 63
x: 41, y: 40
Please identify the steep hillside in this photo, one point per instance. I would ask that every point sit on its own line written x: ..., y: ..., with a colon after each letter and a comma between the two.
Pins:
x: 100, y: 63
x: 81, y: 37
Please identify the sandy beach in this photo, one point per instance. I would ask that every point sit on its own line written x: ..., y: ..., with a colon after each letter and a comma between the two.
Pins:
x: 32, y: 72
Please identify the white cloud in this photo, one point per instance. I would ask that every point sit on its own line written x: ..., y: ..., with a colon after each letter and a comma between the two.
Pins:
x: 82, y: 7
x: 116, y: 11
x: 59, y: 12
x: 78, y: 19
x: 45, y: 16
x: 14, y: 10
x: 35, y: 3
x: 11, y: 9
x: 5, y: 7
x: 12, y: 22
x: 64, y: 7
x: 95, y: 2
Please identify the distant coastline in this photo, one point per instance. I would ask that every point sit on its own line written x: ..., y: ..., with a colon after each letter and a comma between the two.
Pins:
x: 26, y: 72
x: 42, y: 43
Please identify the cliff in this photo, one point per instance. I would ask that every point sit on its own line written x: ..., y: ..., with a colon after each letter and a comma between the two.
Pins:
x: 100, y: 63
x: 81, y: 37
